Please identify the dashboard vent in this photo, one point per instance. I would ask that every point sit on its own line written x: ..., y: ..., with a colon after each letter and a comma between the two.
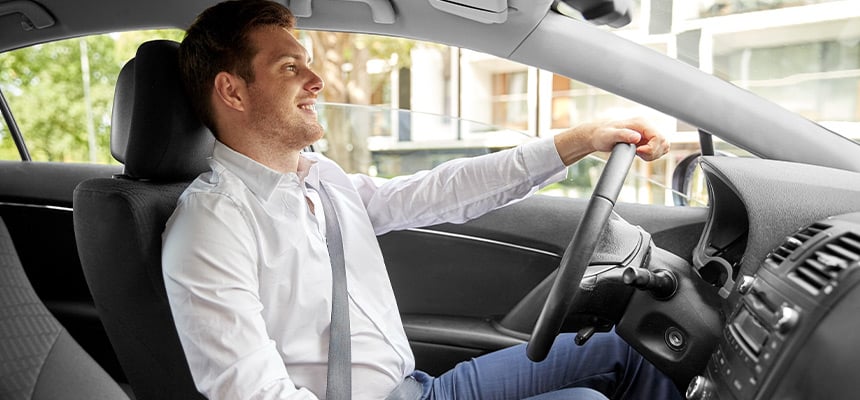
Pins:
x: 781, y: 253
x: 818, y: 272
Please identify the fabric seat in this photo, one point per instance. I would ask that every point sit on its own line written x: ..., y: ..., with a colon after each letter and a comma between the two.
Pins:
x: 39, y: 360
x: 119, y: 221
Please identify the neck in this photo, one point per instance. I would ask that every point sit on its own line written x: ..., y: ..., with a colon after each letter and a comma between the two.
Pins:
x: 283, y: 163
x: 274, y: 157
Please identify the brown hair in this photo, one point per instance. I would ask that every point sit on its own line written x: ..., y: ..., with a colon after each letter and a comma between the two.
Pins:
x: 218, y: 41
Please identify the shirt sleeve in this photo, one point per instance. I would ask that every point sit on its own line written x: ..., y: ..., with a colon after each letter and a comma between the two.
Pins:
x: 461, y: 189
x: 210, y: 273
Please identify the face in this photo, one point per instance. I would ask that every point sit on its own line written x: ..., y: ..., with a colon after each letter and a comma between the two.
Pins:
x: 282, y: 97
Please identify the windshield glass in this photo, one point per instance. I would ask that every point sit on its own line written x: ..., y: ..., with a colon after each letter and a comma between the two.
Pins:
x: 800, y: 54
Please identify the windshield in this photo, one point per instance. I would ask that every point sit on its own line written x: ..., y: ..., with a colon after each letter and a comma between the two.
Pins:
x: 800, y: 54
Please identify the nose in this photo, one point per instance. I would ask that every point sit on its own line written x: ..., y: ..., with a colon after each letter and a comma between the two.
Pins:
x: 315, y: 83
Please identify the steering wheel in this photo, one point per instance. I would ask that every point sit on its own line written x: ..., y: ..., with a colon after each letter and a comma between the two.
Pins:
x: 580, y: 250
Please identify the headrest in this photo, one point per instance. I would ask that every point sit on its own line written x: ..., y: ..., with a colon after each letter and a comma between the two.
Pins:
x: 155, y: 132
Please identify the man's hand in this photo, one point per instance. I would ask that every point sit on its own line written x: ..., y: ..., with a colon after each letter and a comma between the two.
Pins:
x: 579, y: 141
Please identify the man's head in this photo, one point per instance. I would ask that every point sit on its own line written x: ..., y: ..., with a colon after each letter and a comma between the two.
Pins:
x: 219, y: 40
x: 250, y: 80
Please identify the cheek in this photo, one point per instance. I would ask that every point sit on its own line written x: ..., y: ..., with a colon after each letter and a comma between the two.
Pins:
x: 268, y: 100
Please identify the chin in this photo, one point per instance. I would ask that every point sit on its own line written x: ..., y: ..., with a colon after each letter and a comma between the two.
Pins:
x: 317, y: 135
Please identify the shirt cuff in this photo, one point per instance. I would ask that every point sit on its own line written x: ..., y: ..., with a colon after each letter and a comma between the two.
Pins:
x: 542, y: 161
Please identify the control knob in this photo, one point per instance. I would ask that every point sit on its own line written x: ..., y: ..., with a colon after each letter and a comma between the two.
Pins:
x: 786, y: 319
x: 700, y: 388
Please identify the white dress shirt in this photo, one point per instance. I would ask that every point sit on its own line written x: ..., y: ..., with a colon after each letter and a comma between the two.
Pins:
x: 248, y: 274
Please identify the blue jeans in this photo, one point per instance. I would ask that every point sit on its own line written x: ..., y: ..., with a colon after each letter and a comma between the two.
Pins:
x: 605, y: 364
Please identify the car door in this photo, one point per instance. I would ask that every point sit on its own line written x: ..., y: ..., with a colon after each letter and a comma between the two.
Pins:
x: 459, y: 286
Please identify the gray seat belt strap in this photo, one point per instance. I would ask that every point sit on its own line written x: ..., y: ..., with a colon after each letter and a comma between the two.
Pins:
x: 339, y: 380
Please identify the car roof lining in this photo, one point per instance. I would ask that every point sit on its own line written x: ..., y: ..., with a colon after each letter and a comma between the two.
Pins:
x: 87, y: 17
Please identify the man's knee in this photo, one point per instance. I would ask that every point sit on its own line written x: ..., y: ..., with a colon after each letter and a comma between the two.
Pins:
x: 579, y: 393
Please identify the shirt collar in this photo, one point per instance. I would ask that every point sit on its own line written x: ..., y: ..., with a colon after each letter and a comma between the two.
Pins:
x: 260, y: 179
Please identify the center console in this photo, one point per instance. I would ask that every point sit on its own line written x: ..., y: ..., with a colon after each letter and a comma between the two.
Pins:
x: 793, y: 331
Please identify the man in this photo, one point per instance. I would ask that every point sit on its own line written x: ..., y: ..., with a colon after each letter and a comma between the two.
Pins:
x: 246, y: 266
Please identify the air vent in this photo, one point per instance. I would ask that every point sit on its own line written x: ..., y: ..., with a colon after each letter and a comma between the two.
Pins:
x: 781, y: 253
x: 819, y: 272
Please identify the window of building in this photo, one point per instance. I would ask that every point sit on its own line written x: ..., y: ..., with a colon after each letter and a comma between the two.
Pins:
x: 713, y: 8
x: 574, y: 102
x: 820, y: 80
x: 510, y: 100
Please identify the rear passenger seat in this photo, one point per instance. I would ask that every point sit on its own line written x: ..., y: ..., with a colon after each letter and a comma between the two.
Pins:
x: 39, y: 360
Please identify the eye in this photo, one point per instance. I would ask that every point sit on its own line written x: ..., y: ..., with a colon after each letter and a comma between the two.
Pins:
x: 290, y: 68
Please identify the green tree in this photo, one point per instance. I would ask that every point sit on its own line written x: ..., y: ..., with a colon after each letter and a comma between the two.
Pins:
x: 45, y: 86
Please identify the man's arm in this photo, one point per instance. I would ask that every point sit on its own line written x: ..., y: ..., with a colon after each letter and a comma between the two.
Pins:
x: 577, y: 142
x: 463, y: 189
x: 210, y: 272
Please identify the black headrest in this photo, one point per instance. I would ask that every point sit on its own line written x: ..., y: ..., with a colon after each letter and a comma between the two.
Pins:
x: 155, y: 132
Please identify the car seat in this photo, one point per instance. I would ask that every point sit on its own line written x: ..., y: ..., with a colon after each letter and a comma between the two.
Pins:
x: 39, y: 360
x: 119, y: 221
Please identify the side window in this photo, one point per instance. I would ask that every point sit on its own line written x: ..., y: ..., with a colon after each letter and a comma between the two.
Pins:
x: 393, y: 107
x: 61, y: 94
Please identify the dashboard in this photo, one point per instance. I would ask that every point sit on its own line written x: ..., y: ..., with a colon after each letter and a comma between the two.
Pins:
x: 782, y: 247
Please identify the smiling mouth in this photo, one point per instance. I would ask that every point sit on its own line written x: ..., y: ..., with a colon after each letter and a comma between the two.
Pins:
x: 308, y: 107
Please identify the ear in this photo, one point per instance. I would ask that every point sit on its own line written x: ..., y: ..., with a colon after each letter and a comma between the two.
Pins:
x: 230, y: 91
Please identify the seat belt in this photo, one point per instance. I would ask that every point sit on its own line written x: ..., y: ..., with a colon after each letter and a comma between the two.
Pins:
x: 339, y: 380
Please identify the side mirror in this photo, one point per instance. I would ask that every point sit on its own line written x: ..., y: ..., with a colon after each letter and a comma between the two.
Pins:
x: 689, y: 187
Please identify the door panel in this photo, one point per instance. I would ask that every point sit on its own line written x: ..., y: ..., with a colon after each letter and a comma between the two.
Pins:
x: 455, y: 282
x: 461, y: 275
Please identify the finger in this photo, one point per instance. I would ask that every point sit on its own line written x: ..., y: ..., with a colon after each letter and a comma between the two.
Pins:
x: 646, y: 153
x: 632, y: 136
x: 654, y: 149
x: 642, y: 126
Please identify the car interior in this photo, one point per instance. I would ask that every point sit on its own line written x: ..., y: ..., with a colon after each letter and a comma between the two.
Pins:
x: 752, y: 297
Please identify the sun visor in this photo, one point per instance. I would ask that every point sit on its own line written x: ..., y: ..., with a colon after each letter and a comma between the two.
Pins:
x: 485, y: 11
x: 382, y: 11
x: 33, y: 15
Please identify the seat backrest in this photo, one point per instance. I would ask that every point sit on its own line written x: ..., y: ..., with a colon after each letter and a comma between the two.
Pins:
x: 119, y: 221
x: 38, y: 358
